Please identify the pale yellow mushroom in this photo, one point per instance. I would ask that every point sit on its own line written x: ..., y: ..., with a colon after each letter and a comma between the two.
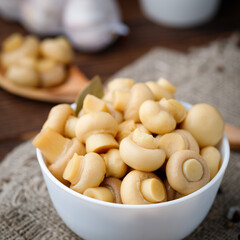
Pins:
x: 125, y: 128
x: 213, y: 159
x: 51, y: 73
x: 13, y: 42
x: 120, y: 83
x: 167, y: 85
x: 94, y: 104
x: 172, y: 142
x: 158, y: 91
x: 138, y: 94
x: 29, y: 48
x: 114, y: 185
x: 142, y: 188
x: 190, y: 140
x: 22, y: 76
x: 155, y: 118
x: 175, y: 108
x: 116, y: 114
x: 205, y: 123
x: 62, y: 119
x: 58, y: 49
x: 171, y: 193
x: 187, y: 171
x: 115, y: 167
x: 143, y: 155
x: 97, y: 130
x: 99, y: 193
x: 120, y: 99
x: 57, y: 150
x: 85, y: 172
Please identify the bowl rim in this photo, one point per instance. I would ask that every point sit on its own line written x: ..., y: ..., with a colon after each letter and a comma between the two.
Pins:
x: 225, y: 160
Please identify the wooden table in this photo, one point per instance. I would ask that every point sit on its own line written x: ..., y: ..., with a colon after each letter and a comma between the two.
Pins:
x: 20, y: 118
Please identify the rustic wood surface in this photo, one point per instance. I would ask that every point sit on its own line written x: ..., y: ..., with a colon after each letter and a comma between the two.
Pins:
x: 21, y: 118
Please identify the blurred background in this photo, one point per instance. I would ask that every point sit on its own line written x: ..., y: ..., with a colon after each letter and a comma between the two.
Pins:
x: 180, y: 25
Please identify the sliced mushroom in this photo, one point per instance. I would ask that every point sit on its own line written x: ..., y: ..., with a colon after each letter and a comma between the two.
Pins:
x: 187, y: 171
x: 85, y: 172
x: 205, y: 123
x: 143, y: 155
x: 142, y: 188
x: 57, y: 150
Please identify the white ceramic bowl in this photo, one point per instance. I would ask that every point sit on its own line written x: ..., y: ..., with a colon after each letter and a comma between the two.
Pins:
x: 93, y: 219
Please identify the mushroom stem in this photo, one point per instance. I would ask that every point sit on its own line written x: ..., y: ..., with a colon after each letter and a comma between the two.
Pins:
x: 192, y: 170
x: 153, y: 190
x: 51, y: 144
x: 100, y: 193
x: 70, y: 126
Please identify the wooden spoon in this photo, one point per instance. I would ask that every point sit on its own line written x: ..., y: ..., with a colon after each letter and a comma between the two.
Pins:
x: 66, y: 92
x: 233, y: 136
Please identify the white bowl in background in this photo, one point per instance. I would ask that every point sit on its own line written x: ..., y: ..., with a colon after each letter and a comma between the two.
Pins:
x: 94, y: 219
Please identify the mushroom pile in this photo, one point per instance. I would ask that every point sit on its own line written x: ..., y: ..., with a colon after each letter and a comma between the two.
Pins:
x: 29, y: 62
x: 135, y: 145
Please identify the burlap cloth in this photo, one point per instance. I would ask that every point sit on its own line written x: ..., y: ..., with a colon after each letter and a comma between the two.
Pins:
x: 210, y: 74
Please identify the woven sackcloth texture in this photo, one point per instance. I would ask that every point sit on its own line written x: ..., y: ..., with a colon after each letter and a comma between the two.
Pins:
x: 208, y: 74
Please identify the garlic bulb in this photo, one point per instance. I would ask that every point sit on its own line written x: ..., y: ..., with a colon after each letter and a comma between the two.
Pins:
x: 9, y: 9
x: 91, y: 25
x: 42, y: 17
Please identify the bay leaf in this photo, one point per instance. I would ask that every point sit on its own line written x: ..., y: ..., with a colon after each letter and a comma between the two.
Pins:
x: 95, y: 87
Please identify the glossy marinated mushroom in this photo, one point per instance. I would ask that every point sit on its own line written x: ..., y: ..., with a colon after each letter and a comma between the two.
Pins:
x: 213, y: 159
x: 94, y: 104
x: 142, y: 188
x: 99, y: 193
x: 140, y: 151
x: 114, y: 185
x: 62, y: 119
x: 138, y: 94
x: 187, y: 171
x: 155, y: 118
x: 120, y: 83
x: 57, y: 150
x: 171, y: 193
x: 115, y: 167
x: 125, y: 128
x: 120, y: 99
x: 190, y: 140
x: 51, y: 73
x: 116, y: 114
x: 22, y: 76
x: 28, y: 48
x: 85, y: 172
x: 175, y: 108
x: 164, y: 83
x: 158, y: 91
x: 58, y: 49
x: 205, y: 123
x: 97, y: 130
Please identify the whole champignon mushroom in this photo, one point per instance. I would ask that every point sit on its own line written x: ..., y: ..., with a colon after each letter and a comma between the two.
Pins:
x: 190, y: 140
x: 57, y: 150
x: 114, y: 185
x: 62, y: 119
x: 139, y: 151
x: 155, y: 118
x: 167, y: 85
x: 124, y: 129
x: 97, y: 130
x: 120, y: 83
x: 115, y: 167
x: 205, y: 123
x: 213, y: 159
x: 142, y: 188
x: 99, y: 193
x: 187, y: 171
x: 29, y: 48
x: 158, y: 91
x: 138, y: 94
x: 85, y: 172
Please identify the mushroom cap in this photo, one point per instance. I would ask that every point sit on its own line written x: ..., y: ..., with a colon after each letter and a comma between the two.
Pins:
x: 140, y: 158
x: 155, y: 118
x: 95, y: 122
x: 205, y: 123
x: 57, y: 117
x: 140, y: 92
x: 131, y: 187
x: 176, y: 176
x: 120, y: 83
